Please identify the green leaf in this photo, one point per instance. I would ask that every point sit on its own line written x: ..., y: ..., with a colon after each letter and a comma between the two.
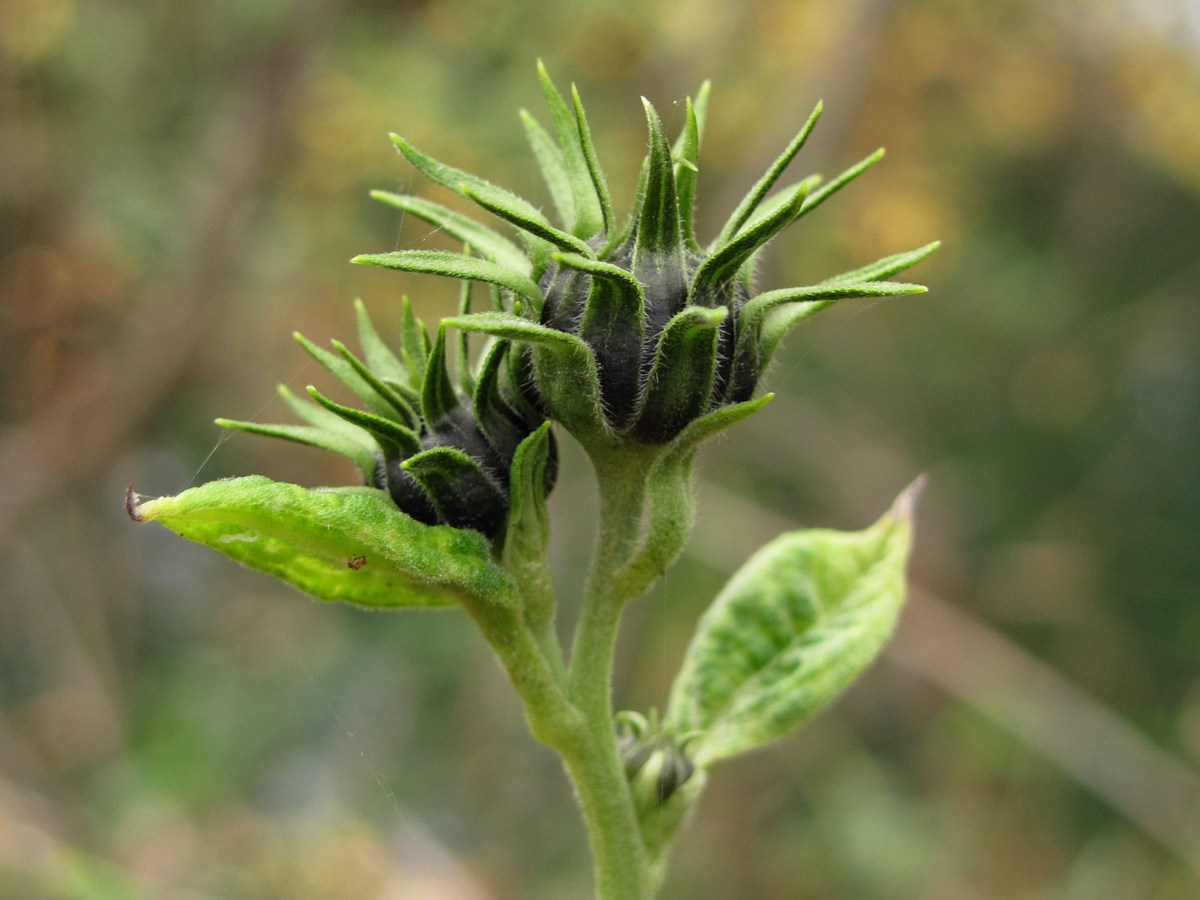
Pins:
x: 345, y: 544
x: 789, y: 632
x: 487, y: 243
x: 456, y: 265
x: 403, y: 410
x: 750, y: 202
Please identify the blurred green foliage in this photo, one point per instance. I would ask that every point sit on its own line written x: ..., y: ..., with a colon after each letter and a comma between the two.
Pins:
x: 181, y: 185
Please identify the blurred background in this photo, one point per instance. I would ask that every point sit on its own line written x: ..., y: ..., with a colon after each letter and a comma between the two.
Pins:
x: 182, y: 183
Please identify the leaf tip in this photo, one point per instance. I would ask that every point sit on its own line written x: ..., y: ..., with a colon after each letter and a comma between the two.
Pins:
x: 133, y: 504
x: 906, y: 503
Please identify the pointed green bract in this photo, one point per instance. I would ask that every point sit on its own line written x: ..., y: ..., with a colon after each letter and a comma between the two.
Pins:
x: 414, y: 345
x: 599, y: 184
x: 789, y: 632
x: 726, y: 260
x: 380, y: 358
x: 687, y: 153
x: 527, y: 539
x: 395, y: 439
x: 438, y: 397
x: 459, y: 488
x: 750, y: 202
x: 487, y: 243
x: 825, y: 191
x: 388, y: 391
x: 346, y: 544
x: 681, y: 379
x: 361, y: 453
x: 554, y: 171
x: 345, y: 373
x: 885, y: 267
x: 456, y: 265
x: 589, y: 219
x: 657, y: 228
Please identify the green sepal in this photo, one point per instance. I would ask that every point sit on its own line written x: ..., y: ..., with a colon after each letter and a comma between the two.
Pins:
x: 343, y: 544
x: 395, y: 440
x: 819, y: 296
x: 492, y: 415
x: 565, y: 366
x: 438, y: 397
x: 792, y: 628
x: 458, y: 487
x: 656, y: 232
x: 825, y: 191
x: 888, y: 266
x: 345, y: 373
x: 360, y: 452
x: 456, y: 265
x: 613, y: 325
x: 588, y: 218
x: 466, y: 377
x: 687, y: 155
x: 599, y: 184
x: 414, y: 345
x: 725, y: 261
x: 681, y: 379
x: 554, y: 171
x: 760, y: 190
x: 380, y: 358
x: 527, y: 538
x: 487, y: 243
x: 387, y: 390
x: 496, y: 200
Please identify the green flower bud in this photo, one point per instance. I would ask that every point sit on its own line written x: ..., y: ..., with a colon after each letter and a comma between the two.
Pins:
x: 634, y: 332
x: 442, y: 452
x: 656, y: 763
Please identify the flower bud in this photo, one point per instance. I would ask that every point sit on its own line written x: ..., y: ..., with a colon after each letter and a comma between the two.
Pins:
x: 636, y: 331
x: 444, y: 457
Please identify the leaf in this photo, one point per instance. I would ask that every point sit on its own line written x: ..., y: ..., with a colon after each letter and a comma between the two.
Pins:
x: 343, y: 544
x: 792, y: 628
x: 359, y: 451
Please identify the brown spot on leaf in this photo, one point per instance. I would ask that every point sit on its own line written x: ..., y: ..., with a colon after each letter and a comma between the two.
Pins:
x: 356, y: 562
